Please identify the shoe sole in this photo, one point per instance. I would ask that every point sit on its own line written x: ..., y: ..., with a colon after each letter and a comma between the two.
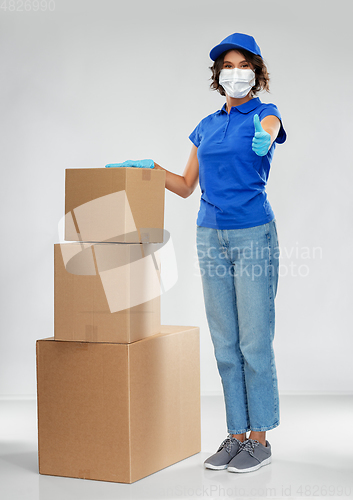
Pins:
x: 249, y: 469
x: 215, y: 467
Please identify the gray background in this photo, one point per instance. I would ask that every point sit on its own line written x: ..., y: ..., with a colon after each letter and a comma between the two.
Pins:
x: 100, y: 82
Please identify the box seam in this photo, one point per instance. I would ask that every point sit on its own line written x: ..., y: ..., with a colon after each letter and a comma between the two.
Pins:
x: 129, y: 405
x: 37, y: 355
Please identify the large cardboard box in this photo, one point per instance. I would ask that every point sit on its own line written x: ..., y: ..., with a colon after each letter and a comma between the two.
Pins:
x: 106, y: 292
x: 118, y: 412
x: 123, y: 204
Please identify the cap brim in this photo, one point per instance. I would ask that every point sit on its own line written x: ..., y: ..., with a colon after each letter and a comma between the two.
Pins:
x: 224, y: 47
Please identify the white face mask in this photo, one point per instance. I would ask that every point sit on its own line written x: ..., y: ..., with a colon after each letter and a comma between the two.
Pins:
x: 237, y: 82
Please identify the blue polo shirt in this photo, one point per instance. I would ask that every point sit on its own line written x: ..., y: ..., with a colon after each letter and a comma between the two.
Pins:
x: 232, y: 176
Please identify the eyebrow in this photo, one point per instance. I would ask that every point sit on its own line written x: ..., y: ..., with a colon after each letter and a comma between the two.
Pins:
x: 232, y: 63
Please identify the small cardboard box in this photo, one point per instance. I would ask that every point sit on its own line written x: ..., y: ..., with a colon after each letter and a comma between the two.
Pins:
x: 106, y: 292
x: 122, y: 204
x: 118, y: 412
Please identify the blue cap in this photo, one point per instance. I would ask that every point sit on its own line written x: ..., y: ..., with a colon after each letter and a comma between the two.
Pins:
x: 236, y: 41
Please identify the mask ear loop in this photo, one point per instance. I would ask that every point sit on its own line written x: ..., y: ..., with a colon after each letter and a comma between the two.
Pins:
x: 251, y: 91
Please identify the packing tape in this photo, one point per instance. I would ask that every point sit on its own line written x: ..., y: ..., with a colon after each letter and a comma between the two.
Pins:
x: 84, y: 473
x: 91, y: 333
x: 145, y: 237
x: 146, y: 174
x: 81, y: 346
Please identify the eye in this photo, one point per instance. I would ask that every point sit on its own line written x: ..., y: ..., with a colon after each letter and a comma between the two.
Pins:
x: 227, y: 65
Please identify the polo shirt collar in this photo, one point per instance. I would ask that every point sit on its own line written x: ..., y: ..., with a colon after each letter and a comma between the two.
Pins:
x: 246, y: 107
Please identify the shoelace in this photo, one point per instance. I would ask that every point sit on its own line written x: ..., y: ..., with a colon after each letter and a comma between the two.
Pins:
x: 227, y: 443
x: 249, y: 445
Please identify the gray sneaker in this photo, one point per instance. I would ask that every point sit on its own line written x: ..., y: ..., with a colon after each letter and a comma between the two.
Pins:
x: 226, y: 451
x: 251, y: 456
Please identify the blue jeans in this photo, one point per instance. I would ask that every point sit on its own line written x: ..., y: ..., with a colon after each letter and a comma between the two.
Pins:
x: 239, y: 272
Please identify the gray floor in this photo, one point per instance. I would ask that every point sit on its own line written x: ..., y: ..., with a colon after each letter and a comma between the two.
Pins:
x: 312, y: 457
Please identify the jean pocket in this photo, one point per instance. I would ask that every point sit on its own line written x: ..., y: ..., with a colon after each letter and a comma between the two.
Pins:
x: 275, y: 227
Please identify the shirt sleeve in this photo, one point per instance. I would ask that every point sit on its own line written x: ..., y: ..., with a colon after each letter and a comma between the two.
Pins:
x: 271, y: 109
x: 195, y: 136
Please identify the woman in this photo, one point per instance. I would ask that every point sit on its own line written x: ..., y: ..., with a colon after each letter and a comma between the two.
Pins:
x: 237, y: 246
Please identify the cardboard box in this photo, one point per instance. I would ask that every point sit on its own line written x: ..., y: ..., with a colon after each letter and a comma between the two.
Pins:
x: 106, y: 292
x: 123, y: 204
x: 118, y: 412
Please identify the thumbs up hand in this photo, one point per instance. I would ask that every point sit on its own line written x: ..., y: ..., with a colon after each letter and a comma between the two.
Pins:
x: 262, y: 140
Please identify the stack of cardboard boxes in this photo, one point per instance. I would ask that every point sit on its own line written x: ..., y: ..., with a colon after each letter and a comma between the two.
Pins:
x: 118, y: 393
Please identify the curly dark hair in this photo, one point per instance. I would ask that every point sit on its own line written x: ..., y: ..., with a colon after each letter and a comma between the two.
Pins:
x: 262, y: 77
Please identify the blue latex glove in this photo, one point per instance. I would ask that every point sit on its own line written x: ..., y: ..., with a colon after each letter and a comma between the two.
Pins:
x: 262, y: 140
x: 133, y: 163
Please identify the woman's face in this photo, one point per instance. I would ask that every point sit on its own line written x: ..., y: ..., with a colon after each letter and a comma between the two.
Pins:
x: 235, y: 59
